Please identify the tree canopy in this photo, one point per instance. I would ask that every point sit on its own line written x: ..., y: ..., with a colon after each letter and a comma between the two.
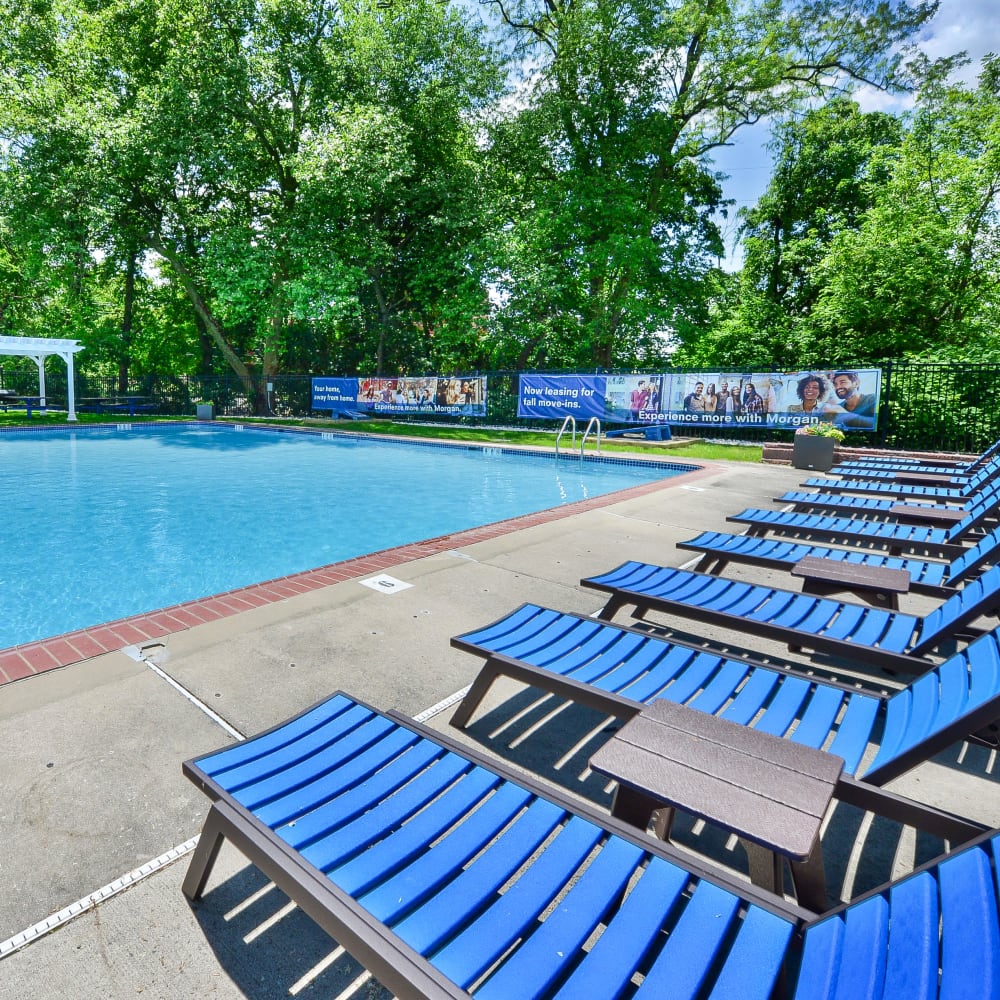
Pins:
x: 316, y: 186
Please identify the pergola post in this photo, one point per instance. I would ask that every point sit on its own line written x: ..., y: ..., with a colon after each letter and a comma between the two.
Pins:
x: 39, y: 360
x: 70, y: 387
x: 38, y: 349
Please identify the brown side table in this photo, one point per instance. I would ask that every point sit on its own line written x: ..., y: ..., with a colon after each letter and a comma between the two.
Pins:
x: 770, y: 792
x: 920, y: 514
x: 878, y: 585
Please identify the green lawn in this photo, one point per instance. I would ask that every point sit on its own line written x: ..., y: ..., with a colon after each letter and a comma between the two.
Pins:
x: 484, y: 435
x: 545, y: 439
x: 16, y: 418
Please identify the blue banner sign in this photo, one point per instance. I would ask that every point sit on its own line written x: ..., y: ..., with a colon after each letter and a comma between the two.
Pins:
x: 555, y: 397
x: 456, y: 396
x: 337, y: 394
x: 847, y: 398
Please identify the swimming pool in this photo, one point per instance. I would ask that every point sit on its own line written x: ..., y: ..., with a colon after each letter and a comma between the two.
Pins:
x: 102, y: 523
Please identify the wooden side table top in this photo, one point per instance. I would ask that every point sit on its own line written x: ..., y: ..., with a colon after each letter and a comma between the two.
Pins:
x: 761, y: 787
x: 850, y: 575
x: 939, y: 514
x: 926, y: 479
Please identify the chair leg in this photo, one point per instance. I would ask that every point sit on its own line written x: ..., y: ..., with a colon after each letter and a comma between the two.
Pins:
x: 205, y: 856
x: 764, y: 866
x: 637, y: 808
x: 809, y: 877
x: 608, y: 612
x: 479, y: 689
x: 711, y: 563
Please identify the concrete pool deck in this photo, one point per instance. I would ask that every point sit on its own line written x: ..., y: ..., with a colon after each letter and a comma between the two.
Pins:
x: 92, y: 787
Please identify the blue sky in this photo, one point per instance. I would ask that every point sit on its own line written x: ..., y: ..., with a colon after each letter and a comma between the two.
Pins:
x: 972, y: 26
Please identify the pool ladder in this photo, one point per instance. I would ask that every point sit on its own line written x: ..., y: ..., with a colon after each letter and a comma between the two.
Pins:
x: 570, y: 422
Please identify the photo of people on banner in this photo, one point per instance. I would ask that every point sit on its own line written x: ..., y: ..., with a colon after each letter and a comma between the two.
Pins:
x: 635, y: 398
x: 847, y: 398
x: 464, y: 396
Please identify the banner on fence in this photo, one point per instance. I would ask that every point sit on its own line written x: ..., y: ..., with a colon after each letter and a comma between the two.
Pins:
x: 457, y: 396
x: 337, y: 394
x: 847, y: 398
x: 556, y: 397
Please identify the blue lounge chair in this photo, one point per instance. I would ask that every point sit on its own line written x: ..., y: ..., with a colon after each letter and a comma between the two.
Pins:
x: 917, y: 465
x: 866, y: 635
x: 617, y: 670
x: 902, y: 476
x: 892, y: 486
x: 719, y: 548
x: 978, y: 511
x: 881, y: 506
x: 448, y: 877
x: 903, y: 529
x: 875, y: 500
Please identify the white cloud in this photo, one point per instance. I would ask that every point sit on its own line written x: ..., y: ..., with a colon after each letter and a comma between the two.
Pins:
x: 972, y: 26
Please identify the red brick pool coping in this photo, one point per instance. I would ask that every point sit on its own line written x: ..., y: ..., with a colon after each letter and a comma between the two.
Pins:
x: 30, y: 658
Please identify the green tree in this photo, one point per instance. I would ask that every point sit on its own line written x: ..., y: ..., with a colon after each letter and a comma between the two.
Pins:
x: 919, y: 276
x: 194, y: 131
x: 397, y: 187
x: 829, y: 166
x: 625, y: 100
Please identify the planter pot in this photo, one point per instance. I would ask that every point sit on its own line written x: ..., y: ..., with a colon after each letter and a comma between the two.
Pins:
x: 811, y: 452
x: 205, y: 411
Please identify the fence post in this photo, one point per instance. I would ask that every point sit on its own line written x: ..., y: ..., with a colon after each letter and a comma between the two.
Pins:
x: 886, y: 393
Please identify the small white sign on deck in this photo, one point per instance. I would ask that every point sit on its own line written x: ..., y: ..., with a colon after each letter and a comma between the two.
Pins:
x: 386, y: 584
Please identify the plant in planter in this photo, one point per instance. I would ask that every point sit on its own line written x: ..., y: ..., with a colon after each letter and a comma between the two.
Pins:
x: 823, y: 430
x: 204, y: 409
x: 812, y: 446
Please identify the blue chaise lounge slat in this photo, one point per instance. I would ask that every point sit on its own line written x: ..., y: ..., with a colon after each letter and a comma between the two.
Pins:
x: 466, y: 906
x: 907, y: 465
x: 719, y: 548
x: 904, y: 491
x: 889, y: 507
x: 603, y: 911
x: 895, y: 535
x: 888, y: 639
x: 950, y: 702
x: 888, y: 486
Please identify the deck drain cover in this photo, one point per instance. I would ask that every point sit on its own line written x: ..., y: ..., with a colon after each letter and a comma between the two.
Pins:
x: 386, y: 584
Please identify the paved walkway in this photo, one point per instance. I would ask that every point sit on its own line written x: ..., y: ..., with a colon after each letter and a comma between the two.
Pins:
x: 92, y: 787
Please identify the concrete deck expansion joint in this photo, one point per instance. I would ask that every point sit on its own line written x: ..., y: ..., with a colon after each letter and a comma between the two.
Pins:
x: 67, y: 913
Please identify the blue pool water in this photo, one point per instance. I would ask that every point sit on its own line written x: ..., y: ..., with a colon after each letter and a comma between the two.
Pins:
x: 99, y: 524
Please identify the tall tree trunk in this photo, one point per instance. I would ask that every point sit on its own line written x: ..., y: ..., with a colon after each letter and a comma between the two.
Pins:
x: 204, y: 313
x: 204, y: 346
x: 128, y: 313
x: 383, y: 323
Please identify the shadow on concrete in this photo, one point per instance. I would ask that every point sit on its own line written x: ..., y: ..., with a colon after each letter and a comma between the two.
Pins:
x: 268, y: 952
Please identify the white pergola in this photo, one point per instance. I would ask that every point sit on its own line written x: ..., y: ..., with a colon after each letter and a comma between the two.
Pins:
x: 38, y: 349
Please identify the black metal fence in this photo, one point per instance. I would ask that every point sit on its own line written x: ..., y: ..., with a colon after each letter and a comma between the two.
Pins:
x: 947, y: 407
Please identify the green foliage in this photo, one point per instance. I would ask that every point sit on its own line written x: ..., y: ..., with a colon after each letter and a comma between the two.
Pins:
x: 878, y: 237
x: 611, y: 232
x: 301, y: 185
x: 823, y: 430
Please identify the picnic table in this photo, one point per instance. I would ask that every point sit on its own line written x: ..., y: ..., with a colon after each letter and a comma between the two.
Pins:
x: 30, y: 403
x: 117, y: 404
